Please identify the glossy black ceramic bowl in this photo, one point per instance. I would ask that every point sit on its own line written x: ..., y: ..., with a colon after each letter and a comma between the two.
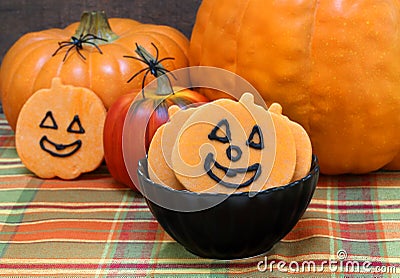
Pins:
x: 232, y: 226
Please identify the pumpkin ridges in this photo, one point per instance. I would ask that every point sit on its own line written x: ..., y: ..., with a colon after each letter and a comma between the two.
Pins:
x: 122, y: 29
x: 70, y: 29
x: 197, y: 31
x: 324, y: 63
x: 167, y: 31
x: 27, y: 74
x: 14, y: 58
x: 14, y: 104
x: 109, y: 87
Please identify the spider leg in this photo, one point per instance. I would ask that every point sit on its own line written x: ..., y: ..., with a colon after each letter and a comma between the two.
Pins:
x: 64, y: 43
x: 170, y: 84
x: 138, y: 51
x: 166, y: 58
x: 84, y: 37
x: 95, y: 45
x: 136, y: 58
x: 136, y: 74
x: 79, y: 52
x: 156, y: 51
x: 164, y: 71
x: 89, y: 37
x: 144, y: 79
x: 60, y: 46
x: 66, y: 53
x: 98, y: 38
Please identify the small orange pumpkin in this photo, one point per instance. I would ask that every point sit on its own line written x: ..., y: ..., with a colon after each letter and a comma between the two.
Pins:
x: 86, y: 54
x: 60, y: 131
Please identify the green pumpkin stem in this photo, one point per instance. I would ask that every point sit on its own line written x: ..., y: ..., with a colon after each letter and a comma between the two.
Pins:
x: 164, y: 87
x: 96, y: 23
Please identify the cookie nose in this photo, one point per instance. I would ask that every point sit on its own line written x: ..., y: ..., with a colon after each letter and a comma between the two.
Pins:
x: 234, y: 153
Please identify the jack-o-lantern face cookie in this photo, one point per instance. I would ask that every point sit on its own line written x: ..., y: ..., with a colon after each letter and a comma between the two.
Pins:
x: 59, y: 131
x: 227, y: 145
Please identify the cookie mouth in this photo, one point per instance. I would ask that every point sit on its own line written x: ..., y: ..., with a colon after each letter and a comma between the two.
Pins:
x: 59, y: 150
x: 231, y: 172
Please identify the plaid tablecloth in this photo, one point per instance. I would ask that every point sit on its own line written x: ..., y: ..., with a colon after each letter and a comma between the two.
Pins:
x: 95, y: 227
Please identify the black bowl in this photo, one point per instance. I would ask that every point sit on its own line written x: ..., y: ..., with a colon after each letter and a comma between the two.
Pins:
x: 221, y: 226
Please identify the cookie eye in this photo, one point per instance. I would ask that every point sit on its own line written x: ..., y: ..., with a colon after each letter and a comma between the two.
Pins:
x: 221, y: 132
x: 75, y: 126
x: 48, y: 121
x: 256, y: 140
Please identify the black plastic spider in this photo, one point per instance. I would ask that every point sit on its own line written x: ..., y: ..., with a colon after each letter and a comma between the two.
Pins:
x: 77, y: 43
x: 154, y: 66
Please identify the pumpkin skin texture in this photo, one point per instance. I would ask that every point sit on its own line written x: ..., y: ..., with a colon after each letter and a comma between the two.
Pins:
x: 29, y: 65
x: 59, y: 131
x: 333, y: 66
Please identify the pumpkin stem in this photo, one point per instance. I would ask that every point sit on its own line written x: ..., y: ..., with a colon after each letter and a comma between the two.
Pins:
x: 154, y: 66
x: 96, y: 24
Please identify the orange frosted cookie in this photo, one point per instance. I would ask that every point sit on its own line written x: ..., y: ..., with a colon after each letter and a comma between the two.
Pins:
x: 159, y: 154
x: 303, y: 144
x: 227, y: 145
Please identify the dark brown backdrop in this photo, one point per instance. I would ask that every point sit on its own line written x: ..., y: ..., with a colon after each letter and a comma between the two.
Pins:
x: 18, y: 17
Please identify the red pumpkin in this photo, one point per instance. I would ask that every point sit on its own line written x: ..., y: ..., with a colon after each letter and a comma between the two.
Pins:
x: 150, y: 112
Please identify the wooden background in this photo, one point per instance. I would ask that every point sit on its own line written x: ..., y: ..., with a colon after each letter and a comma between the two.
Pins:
x: 18, y: 17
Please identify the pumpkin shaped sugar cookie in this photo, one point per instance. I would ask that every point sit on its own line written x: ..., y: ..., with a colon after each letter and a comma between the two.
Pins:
x: 59, y: 131
x: 302, y: 141
x: 160, y: 149
x: 229, y: 145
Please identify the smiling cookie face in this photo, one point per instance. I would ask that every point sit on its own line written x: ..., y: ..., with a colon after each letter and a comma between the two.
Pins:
x: 228, y: 145
x: 58, y: 149
x: 59, y: 131
x: 234, y: 154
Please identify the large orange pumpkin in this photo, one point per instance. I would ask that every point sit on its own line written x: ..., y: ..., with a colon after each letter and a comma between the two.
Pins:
x: 32, y: 62
x: 333, y: 65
